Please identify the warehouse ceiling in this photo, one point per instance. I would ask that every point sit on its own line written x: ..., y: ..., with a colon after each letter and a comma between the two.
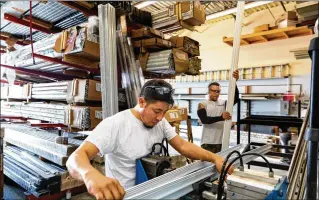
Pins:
x: 60, y: 16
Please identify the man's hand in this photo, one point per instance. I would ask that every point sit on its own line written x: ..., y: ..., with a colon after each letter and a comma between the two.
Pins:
x: 219, y: 161
x: 226, y: 116
x: 102, y: 187
x: 236, y: 75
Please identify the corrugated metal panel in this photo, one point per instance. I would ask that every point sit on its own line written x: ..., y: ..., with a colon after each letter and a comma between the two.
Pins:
x: 73, y: 20
x: 16, y: 29
x: 51, y: 11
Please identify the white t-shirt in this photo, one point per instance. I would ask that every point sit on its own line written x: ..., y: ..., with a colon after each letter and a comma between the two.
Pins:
x: 123, y: 139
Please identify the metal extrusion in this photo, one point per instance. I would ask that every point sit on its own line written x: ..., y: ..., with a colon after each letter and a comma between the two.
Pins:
x: 180, y: 185
x: 108, y: 59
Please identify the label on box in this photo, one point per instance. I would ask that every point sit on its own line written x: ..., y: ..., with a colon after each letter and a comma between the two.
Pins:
x: 98, y: 114
x: 173, y: 115
x: 181, y: 56
x: 98, y: 87
x: 181, y: 111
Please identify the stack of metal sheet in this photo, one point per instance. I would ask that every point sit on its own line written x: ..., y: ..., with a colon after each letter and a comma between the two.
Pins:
x: 307, y: 12
x: 301, y: 53
x: 166, y: 20
x: 40, y: 142
x: 34, y: 175
x: 37, y: 176
x: 50, y: 91
x: 161, y: 62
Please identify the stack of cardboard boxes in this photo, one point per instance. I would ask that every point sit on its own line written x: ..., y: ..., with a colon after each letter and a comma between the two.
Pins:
x: 148, y: 40
x: 185, y: 14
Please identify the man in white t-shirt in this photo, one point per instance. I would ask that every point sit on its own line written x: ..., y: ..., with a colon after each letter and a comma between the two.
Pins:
x: 127, y: 136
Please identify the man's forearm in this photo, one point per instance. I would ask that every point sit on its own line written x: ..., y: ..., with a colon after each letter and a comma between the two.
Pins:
x: 79, y: 165
x: 194, y: 152
x: 202, y: 114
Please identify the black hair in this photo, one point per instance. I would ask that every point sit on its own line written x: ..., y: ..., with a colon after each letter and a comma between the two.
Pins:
x: 151, y: 96
x: 213, y: 83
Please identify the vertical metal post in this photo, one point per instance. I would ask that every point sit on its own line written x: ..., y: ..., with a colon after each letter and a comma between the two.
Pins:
x: 238, y: 122
x: 299, y: 109
x: 234, y: 66
x: 1, y: 164
x: 312, y: 134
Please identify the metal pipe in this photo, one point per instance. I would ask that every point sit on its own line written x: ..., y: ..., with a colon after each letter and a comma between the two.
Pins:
x: 39, y: 73
x: 1, y: 164
x: 313, y: 130
x: 58, y: 61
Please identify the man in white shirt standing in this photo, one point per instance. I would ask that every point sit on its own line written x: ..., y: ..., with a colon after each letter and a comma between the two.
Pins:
x: 127, y: 136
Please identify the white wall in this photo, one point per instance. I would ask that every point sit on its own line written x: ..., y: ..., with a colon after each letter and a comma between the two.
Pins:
x: 217, y: 55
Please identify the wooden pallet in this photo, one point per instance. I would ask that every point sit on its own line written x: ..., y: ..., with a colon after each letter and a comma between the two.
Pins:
x: 267, y: 36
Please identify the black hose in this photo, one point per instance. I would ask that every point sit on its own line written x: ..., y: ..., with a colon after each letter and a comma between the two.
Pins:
x: 221, y: 178
x: 162, y: 147
x: 219, y: 195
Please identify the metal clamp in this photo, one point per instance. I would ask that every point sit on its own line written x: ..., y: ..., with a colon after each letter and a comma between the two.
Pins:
x: 312, y: 134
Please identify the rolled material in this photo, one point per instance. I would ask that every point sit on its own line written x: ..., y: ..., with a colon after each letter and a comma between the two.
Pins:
x: 194, y: 66
x: 234, y: 66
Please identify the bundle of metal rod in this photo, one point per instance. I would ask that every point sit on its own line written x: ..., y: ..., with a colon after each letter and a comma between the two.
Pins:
x: 40, y: 142
x: 108, y: 59
x: 1, y: 164
x: 23, y: 56
x: 55, y: 113
x: 161, y: 62
x: 297, y: 169
x: 194, y: 66
x: 34, y: 175
x: 132, y: 76
x: 52, y: 91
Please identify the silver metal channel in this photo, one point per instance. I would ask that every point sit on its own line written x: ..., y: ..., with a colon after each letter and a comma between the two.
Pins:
x: 179, y: 182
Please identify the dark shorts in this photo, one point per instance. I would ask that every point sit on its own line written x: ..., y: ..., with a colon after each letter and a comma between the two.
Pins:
x: 214, y: 148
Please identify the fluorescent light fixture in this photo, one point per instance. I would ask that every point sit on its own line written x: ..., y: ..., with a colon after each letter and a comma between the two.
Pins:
x: 144, y: 4
x: 234, y: 10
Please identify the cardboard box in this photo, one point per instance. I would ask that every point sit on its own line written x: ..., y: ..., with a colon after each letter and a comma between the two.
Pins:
x: 19, y: 92
x: 143, y: 58
x: 184, y: 113
x: 186, y: 44
x: 290, y: 18
x: 4, y: 92
x: 71, y: 41
x: 79, y: 60
x: 145, y: 33
x: 173, y: 115
x: 261, y: 28
x: 83, y: 90
x: 181, y: 61
x: 193, y: 13
x: 156, y: 43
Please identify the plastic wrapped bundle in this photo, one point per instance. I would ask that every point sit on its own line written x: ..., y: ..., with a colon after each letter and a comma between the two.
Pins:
x: 194, y: 66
